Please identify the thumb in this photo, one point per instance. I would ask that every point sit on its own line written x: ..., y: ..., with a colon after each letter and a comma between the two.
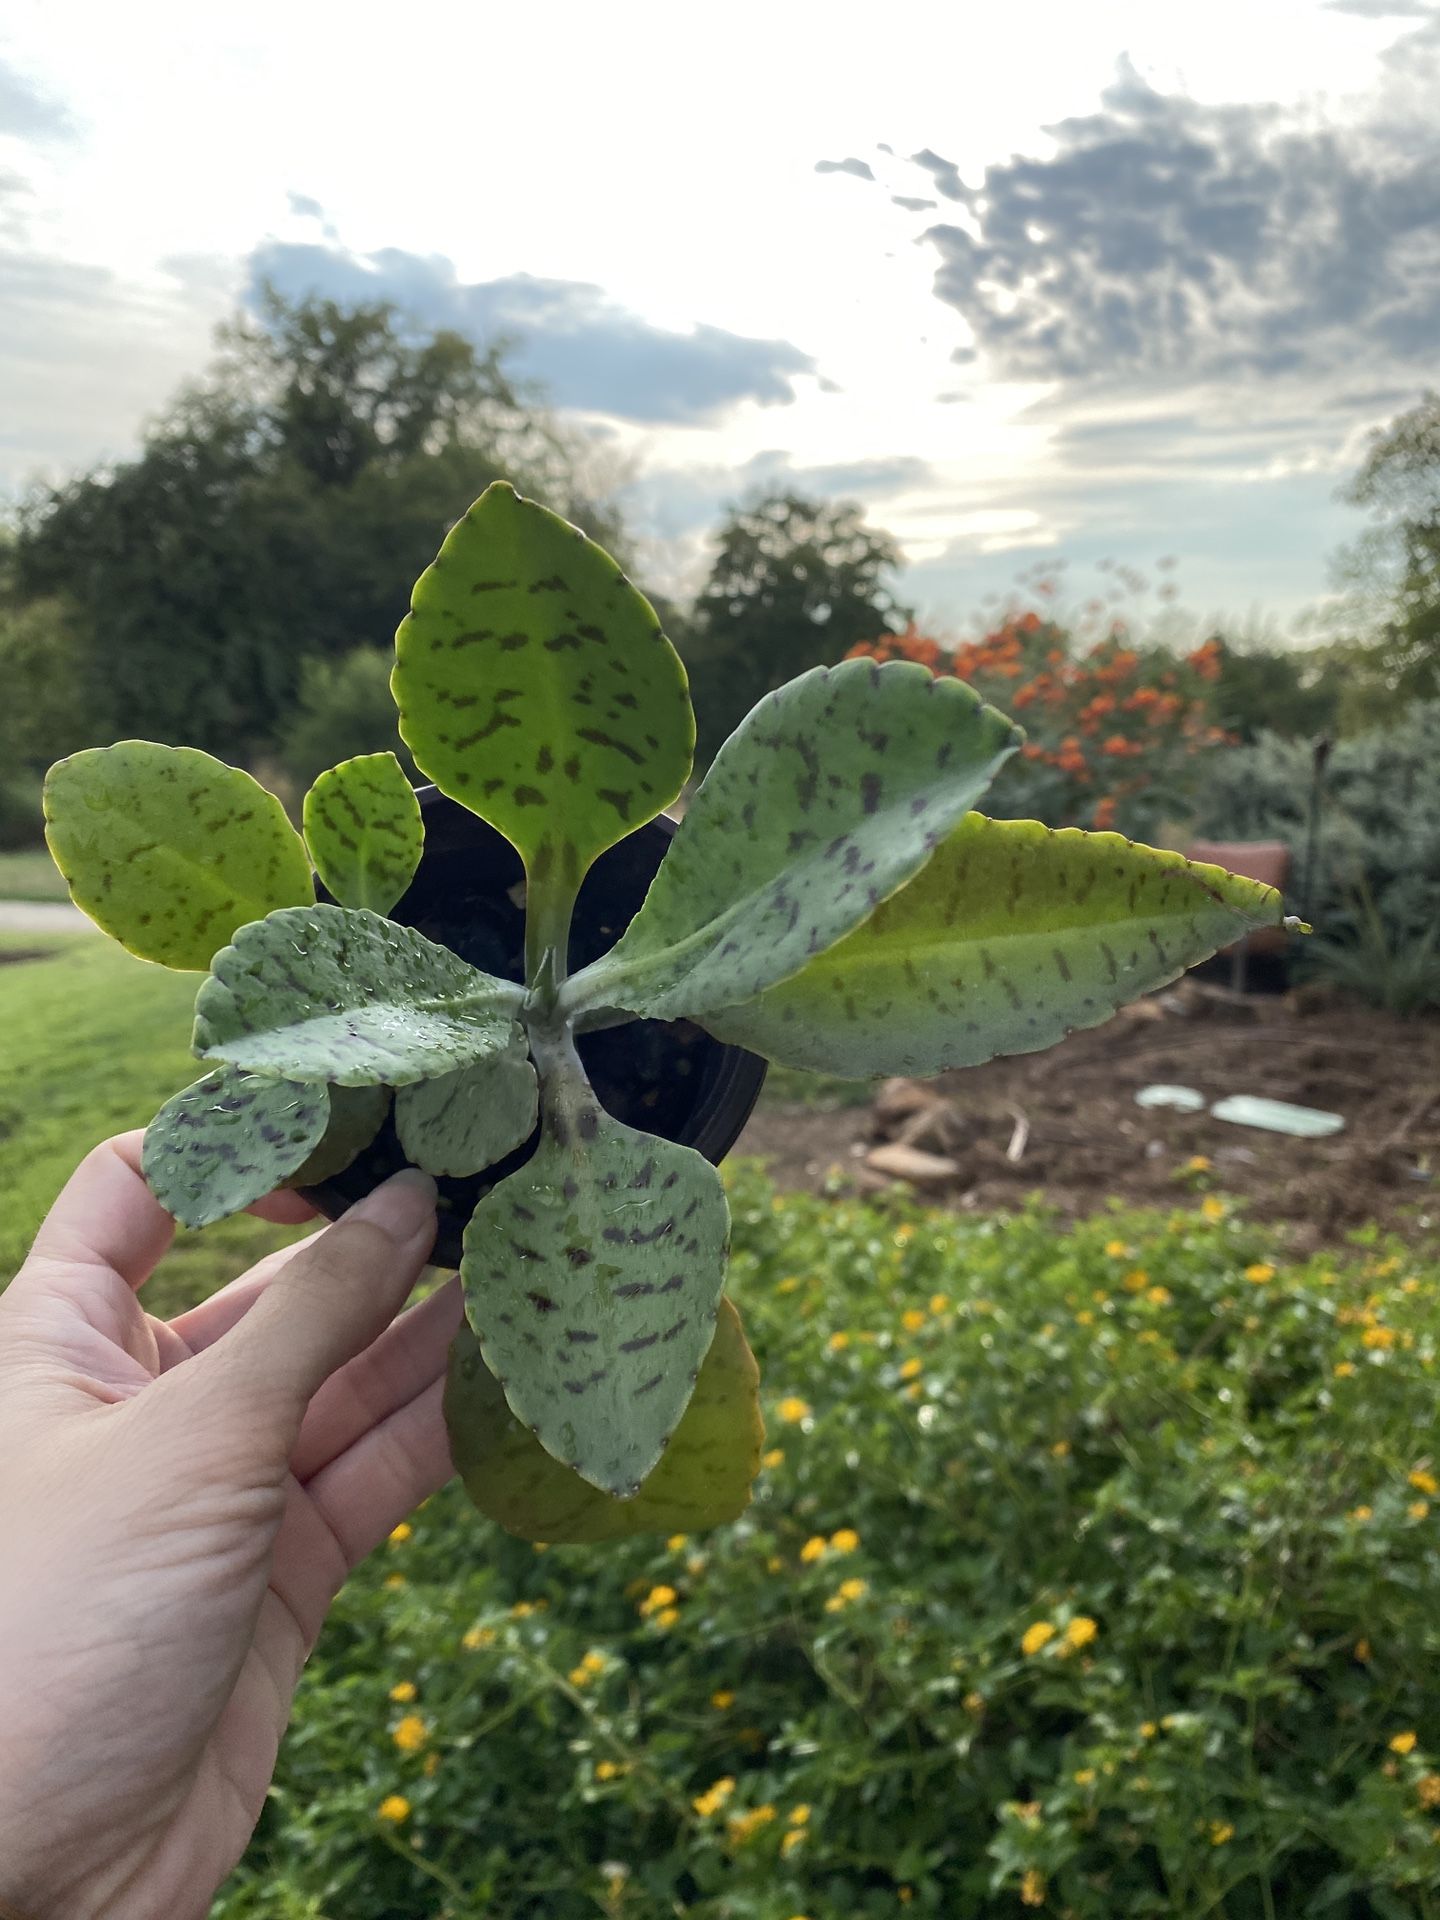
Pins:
x: 326, y: 1305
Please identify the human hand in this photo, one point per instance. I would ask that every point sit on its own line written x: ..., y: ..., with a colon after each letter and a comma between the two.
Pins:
x: 179, y: 1505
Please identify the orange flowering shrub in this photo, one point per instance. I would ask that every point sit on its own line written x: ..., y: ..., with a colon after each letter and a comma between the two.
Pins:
x: 1116, y: 734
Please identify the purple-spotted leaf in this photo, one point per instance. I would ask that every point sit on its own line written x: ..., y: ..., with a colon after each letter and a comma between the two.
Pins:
x: 364, y: 832
x: 466, y: 1121
x: 703, y: 1480
x: 356, y: 1116
x: 229, y: 1140
x: 338, y: 994
x: 170, y: 850
x: 1011, y: 936
x: 536, y: 687
x: 592, y: 1278
x: 825, y: 800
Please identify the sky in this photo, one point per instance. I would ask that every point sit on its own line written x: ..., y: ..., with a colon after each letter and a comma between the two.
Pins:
x: 1049, y: 289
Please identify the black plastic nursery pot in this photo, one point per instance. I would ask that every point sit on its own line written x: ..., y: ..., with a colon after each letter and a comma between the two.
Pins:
x: 666, y: 1077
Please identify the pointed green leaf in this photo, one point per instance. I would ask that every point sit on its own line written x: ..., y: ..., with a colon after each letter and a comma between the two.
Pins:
x: 336, y: 993
x: 592, y: 1278
x: 825, y: 800
x: 536, y: 688
x: 356, y: 1116
x: 466, y: 1121
x: 169, y: 850
x: 364, y: 831
x: 703, y: 1480
x: 1011, y: 937
x: 229, y: 1140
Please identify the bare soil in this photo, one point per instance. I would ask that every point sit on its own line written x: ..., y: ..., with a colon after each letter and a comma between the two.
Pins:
x: 1065, y: 1123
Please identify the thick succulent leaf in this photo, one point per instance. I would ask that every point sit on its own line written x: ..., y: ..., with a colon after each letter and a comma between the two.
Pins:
x: 466, y: 1121
x: 356, y: 1116
x: 703, y: 1480
x: 592, y: 1279
x: 364, y: 832
x: 229, y: 1140
x: 828, y: 797
x: 536, y: 688
x: 170, y: 850
x: 336, y: 993
x: 1011, y: 936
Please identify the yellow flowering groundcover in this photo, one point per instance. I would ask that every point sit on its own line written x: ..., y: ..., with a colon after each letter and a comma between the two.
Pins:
x: 1059, y: 1594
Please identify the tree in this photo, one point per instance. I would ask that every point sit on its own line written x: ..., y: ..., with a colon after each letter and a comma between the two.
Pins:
x: 278, y: 512
x: 796, y: 584
x: 1396, y: 566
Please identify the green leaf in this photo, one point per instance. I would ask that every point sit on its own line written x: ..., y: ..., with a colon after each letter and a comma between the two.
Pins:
x: 703, y: 1480
x: 536, y: 688
x: 169, y: 850
x: 1011, y: 937
x: 356, y: 1116
x: 822, y: 803
x: 466, y: 1121
x: 592, y: 1278
x: 229, y: 1140
x: 336, y: 993
x: 364, y: 831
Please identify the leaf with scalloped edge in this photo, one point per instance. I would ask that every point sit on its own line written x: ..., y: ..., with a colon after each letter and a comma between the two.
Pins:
x: 825, y: 800
x: 465, y: 1121
x: 592, y: 1278
x: 338, y: 993
x: 1012, y: 936
x: 169, y: 850
x: 703, y: 1479
x: 364, y: 831
x: 536, y: 687
x: 228, y: 1141
x: 356, y: 1116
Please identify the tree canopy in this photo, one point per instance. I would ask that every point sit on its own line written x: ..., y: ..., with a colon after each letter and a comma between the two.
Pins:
x: 1397, y: 565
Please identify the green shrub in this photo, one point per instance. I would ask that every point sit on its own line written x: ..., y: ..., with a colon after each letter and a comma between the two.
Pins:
x: 22, y: 823
x: 1091, y: 1571
x: 344, y: 707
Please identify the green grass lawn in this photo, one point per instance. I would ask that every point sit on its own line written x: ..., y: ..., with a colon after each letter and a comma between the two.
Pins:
x: 31, y: 875
x: 94, y: 1041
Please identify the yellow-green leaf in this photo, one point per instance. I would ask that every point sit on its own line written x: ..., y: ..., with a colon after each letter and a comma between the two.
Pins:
x: 364, y: 831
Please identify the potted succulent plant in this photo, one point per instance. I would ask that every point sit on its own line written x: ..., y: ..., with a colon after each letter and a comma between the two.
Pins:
x: 829, y: 900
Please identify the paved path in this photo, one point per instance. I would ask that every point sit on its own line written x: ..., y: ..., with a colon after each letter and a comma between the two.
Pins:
x: 43, y: 916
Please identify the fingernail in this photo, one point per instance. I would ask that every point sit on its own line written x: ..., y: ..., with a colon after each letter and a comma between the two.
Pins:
x: 401, y: 1207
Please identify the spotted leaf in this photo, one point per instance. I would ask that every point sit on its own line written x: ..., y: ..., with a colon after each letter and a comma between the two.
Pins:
x: 703, y: 1479
x: 356, y: 1116
x: 364, y: 832
x: 170, y: 850
x: 1010, y: 937
x: 467, y: 1120
x: 592, y: 1278
x: 825, y: 800
x: 536, y: 687
x: 229, y: 1140
x: 338, y: 994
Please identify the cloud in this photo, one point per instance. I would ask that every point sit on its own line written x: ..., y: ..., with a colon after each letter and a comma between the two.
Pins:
x: 911, y: 204
x: 1168, y: 239
x: 304, y: 206
x: 590, y: 353
x: 26, y: 112
x: 675, y: 503
x: 860, y: 168
x: 1384, y: 9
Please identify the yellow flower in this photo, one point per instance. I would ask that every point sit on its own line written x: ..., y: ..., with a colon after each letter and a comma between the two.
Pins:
x: 579, y: 1676
x: 1418, y: 1509
x: 1085, y: 1777
x: 610, y: 1769
x: 789, y: 1841
x: 1402, y: 1743
x: 1086, y: 1319
x: 1362, y: 1652
x: 1116, y: 1249
x: 713, y: 1798
x: 1378, y: 1338
x: 1148, y: 1729
x: 394, y: 1807
x: 1159, y: 1296
x: 788, y: 1284
x: 912, y: 1319
x: 838, y: 1342
x: 1081, y: 1631
x: 847, y: 1591
x: 1198, y: 1163
x: 477, y: 1637
x: 1427, y: 1787
x: 1362, y: 1513
x: 939, y: 1303
x: 974, y: 1702
x: 799, y: 1816
x: 1032, y: 1888
x: 403, y: 1691
x: 774, y: 1458
x: 1137, y: 1281
x: 522, y: 1609
x: 399, y: 1535
x: 905, y: 1895
x: 676, y: 1543
x: 910, y: 1369
x: 667, y: 1617
x: 393, y: 1582
x: 1259, y: 1272
x: 1036, y: 1637
x: 722, y: 1699
x: 658, y: 1598
x: 845, y: 1541
x: 1344, y: 1369
x: 903, y: 1233
x: 1060, y: 1449
x: 411, y: 1734
x: 813, y: 1548
x: 1424, y: 1482
x: 742, y: 1826
x: 1221, y: 1832
x: 792, y: 1409
x: 1212, y: 1208
x: 914, y: 1390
